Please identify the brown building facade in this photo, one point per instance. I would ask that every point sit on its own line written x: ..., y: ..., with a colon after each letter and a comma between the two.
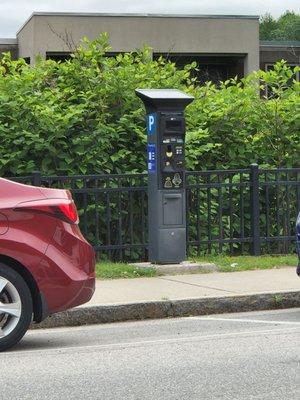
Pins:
x: 9, y: 45
x: 272, y: 51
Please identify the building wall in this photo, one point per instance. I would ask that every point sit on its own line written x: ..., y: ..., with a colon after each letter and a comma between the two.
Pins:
x: 209, y: 35
x: 26, y: 41
x: 270, y: 54
x: 9, y: 45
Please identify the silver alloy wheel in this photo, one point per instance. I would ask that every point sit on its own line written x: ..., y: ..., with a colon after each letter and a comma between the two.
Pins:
x: 10, y: 307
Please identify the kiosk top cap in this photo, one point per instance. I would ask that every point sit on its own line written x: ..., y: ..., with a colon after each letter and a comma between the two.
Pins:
x: 161, y: 94
x: 164, y: 97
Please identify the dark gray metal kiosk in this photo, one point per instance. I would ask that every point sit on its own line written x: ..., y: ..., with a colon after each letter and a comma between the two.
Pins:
x: 166, y: 173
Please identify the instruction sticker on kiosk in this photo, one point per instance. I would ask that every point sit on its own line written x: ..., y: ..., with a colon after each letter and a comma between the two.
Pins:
x: 151, y: 156
x: 151, y: 124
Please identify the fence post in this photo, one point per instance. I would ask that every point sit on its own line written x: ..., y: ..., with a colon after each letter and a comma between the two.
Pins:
x: 255, y: 228
x: 36, y: 178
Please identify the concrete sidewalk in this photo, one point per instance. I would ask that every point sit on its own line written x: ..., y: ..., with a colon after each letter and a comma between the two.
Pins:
x: 194, y: 286
x: 184, y: 295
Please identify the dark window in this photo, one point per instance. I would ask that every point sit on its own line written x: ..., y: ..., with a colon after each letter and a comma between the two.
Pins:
x: 113, y: 54
x: 58, y: 56
x: 215, y: 68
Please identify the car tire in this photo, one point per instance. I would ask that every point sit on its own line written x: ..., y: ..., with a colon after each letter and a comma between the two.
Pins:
x: 15, y: 307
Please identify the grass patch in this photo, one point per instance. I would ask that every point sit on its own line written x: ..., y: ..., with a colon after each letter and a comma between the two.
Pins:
x: 247, y: 263
x: 110, y: 270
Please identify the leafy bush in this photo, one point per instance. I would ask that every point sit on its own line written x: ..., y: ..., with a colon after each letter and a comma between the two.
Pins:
x: 236, y: 124
x: 82, y: 116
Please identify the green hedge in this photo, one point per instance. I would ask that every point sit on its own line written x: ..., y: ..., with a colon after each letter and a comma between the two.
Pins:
x: 82, y: 116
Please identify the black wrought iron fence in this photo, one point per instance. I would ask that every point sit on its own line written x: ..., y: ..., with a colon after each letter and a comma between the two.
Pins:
x: 219, y: 210
x: 242, y: 211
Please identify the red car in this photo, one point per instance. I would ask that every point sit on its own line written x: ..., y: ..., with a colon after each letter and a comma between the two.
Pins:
x: 46, y: 265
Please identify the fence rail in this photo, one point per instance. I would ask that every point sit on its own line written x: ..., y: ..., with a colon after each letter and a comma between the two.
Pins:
x: 240, y: 211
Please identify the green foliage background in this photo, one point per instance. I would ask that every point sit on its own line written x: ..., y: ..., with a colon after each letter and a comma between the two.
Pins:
x: 286, y: 27
x: 82, y: 116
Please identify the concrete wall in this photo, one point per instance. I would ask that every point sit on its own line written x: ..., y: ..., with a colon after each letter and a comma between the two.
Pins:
x: 26, y: 41
x: 226, y: 35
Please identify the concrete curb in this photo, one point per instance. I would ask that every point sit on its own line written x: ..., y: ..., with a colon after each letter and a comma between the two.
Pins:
x: 168, y: 309
x: 185, y: 267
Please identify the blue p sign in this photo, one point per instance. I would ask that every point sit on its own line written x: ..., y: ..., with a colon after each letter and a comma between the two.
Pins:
x: 151, y: 124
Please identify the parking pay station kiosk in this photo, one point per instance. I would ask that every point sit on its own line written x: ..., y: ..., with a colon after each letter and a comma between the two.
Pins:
x: 166, y: 173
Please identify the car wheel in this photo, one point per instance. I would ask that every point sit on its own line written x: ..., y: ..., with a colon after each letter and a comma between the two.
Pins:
x: 15, y: 307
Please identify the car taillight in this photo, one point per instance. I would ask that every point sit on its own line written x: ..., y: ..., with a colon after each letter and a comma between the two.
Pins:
x: 62, y: 209
x: 68, y: 212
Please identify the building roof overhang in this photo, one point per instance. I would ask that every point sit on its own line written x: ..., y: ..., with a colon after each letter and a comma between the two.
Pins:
x: 11, y: 41
x: 133, y: 15
x: 279, y: 43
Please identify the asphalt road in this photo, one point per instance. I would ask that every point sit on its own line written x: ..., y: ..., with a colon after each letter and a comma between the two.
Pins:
x: 229, y: 356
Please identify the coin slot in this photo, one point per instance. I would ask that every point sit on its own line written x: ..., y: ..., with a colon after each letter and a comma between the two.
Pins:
x: 169, y: 152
